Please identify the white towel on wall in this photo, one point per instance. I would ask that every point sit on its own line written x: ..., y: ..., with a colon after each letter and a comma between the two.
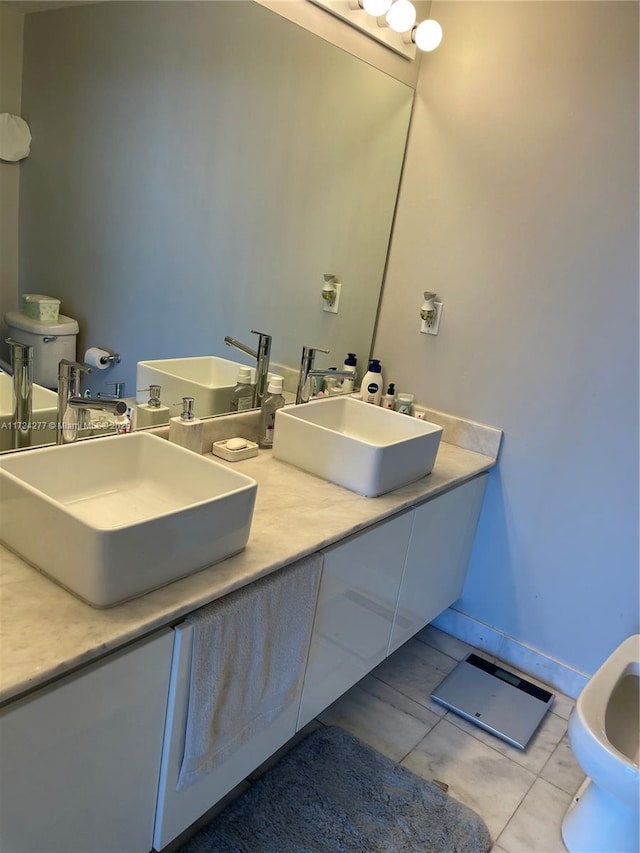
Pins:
x: 248, y: 660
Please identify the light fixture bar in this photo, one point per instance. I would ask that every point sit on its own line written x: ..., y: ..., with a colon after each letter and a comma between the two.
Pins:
x: 359, y: 19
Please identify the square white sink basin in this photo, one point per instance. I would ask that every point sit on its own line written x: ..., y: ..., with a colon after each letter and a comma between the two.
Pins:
x: 44, y: 413
x: 362, y: 447
x: 115, y: 517
x: 208, y: 379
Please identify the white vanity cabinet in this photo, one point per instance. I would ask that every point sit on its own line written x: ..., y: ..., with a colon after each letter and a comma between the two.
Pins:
x: 79, y: 760
x: 382, y: 586
x: 437, y: 558
x: 355, y: 611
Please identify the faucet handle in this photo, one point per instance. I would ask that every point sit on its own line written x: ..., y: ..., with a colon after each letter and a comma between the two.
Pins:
x: 262, y: 334
x: 309, y: 352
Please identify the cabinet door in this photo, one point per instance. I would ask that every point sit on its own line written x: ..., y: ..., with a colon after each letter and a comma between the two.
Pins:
x: 354, y: 615
x: 178, y: 808
x: 437, y: 559
x: 79, y: 760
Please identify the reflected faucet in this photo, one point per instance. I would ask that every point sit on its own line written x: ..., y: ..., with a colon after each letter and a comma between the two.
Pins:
x: 69, y: 400
x: 307, y: 372
x: 22, y: 368
x: 261, y: 356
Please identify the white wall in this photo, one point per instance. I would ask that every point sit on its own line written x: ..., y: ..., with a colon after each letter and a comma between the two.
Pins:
x: 10, y: 92
x: 519, y: 206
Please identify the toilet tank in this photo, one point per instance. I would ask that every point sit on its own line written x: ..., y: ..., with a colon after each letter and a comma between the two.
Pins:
x: 50, y: 341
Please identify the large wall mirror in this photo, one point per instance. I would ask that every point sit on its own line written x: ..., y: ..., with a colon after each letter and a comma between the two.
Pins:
x: 196, y: 169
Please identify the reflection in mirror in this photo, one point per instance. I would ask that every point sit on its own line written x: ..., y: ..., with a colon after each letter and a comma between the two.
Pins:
x: 197, y: 169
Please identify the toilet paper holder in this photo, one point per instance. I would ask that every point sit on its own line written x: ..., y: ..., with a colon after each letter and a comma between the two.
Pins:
x: 101, y: 358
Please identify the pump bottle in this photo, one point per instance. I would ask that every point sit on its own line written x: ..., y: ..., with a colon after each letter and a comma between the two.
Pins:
x: 371, y: 388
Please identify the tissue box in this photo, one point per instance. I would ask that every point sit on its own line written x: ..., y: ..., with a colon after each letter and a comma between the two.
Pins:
x: 41, y: 307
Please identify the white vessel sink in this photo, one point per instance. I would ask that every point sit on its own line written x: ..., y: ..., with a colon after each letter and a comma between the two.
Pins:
x: 115, y: 517
x: 43, y: 417
x: 362, y: 447
x: 208, y: 379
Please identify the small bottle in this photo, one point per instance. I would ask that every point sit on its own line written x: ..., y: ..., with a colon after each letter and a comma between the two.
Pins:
x: 350, y: 364
x: 243, y: 394
x: 122, y: 424
x: 404, y: 403
x: 272, y: 401
x: 389, y: 399
x: 371, y: 388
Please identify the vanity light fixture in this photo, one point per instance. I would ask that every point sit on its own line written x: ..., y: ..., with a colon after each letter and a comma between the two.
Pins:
x: 401, y: 16
x: 391, y: 22
x: 427, y: 35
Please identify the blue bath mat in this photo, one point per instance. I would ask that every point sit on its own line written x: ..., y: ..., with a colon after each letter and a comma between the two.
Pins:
x: 333, y: 794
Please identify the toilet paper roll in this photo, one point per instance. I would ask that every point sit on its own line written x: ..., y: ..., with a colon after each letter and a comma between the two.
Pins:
x: 93, y: 357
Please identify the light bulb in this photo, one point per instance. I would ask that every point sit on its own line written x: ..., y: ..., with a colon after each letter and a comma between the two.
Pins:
x: 427, y: 35
x: 376, y: 7
x: 401, y: 16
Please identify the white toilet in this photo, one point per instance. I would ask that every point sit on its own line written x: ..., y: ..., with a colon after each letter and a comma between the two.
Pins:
x: 604, y: 732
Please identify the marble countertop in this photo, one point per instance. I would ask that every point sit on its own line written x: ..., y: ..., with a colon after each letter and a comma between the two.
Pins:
x: 46, y: 632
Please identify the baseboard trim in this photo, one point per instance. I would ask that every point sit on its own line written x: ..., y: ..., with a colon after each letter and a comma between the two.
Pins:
x: 510, y: 650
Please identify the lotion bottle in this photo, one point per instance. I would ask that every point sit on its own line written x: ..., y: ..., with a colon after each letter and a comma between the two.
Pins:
x: 371, y: 388
x: 272, y: 401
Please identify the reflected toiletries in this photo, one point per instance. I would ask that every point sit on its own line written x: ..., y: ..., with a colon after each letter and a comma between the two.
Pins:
x: 270, y: 405
x: 371, y: 388
x: 243, y: 394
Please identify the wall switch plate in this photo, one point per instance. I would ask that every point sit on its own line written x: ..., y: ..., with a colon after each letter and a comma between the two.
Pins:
x: 432, y: 327
x: 333, y: 307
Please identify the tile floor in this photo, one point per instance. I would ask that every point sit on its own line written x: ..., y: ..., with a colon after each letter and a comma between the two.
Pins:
x: 522, y: 795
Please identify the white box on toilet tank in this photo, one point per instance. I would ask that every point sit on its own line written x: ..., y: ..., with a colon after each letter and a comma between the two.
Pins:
x: 50, y: 341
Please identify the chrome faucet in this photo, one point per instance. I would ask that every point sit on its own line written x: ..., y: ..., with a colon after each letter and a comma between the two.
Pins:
x: 308, y: 371
x: 69, y: 375
x: 22, y: 368
x: 261, y: 356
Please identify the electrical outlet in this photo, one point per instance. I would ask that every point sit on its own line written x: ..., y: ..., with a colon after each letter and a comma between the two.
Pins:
x: 332, y: 307
x: 432, y: 327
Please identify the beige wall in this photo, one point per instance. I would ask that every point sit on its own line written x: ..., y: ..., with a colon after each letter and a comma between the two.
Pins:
x: 10, y: 93
x: 519, y: 206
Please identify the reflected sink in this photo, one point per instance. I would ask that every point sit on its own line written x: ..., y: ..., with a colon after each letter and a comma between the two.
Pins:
x: 362, y: 447
x: 43, y: 417
x: 115, y: 517
x: 208, y: 379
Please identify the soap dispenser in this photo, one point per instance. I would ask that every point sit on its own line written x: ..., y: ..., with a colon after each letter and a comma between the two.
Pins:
x: 187, y: 430
x: 152, y: 413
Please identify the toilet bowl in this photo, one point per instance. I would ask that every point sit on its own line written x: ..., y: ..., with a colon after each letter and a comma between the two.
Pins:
x: 604, y: 733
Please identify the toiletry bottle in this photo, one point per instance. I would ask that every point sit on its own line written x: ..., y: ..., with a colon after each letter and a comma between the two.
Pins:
x: 331, y: 384
x: 371, y: 388
x: 243, y: 394
x: 122, y: 424
x: 404, y: 402
x: 389, y: 399
x: 270, y: 405
x: 349, y: 365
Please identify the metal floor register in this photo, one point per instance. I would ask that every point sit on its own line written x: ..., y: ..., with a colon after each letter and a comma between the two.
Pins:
x: 494, y: 699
